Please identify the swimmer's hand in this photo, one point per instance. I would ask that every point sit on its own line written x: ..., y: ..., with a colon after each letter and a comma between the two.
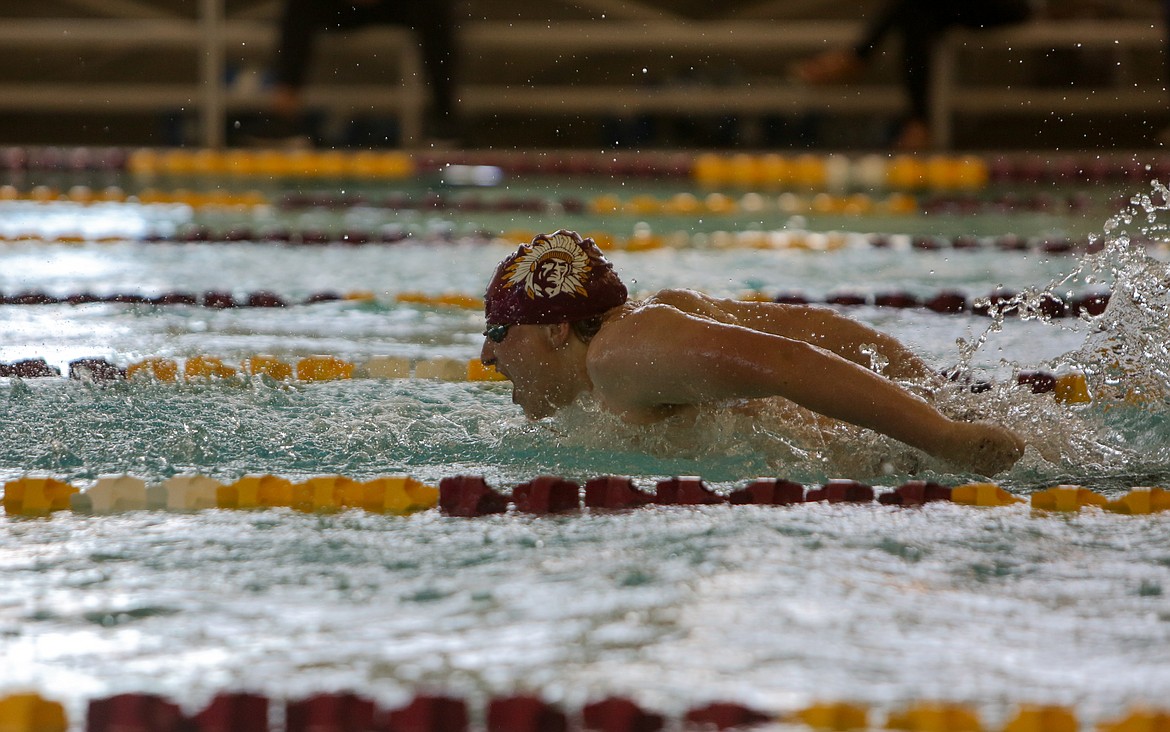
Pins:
x: 983, y: 447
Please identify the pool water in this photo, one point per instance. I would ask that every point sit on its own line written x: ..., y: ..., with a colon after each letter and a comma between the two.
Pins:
x: 672, y: 606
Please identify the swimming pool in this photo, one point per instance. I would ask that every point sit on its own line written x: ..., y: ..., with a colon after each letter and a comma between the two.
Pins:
x: 673, y: 606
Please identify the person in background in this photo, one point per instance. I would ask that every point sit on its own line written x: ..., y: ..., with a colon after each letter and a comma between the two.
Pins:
x: 1164, y: 136
x: 302, y: 21
x: 560, y: 324
x: 921, y: 24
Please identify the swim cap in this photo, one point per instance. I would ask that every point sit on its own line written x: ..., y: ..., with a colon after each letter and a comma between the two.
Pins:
x: 558, y: 278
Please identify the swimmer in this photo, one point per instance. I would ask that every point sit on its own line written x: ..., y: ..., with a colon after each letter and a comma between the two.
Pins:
x: 560, y: 324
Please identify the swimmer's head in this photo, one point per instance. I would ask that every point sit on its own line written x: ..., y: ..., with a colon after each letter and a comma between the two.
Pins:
x: 558, y: 278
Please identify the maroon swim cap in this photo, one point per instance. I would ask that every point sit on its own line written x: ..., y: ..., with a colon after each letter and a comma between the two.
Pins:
x: 558, y: 278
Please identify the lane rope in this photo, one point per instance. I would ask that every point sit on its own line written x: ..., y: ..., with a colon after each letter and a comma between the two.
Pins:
x: 944, y: 302
x: 471, y: 496
x: 645, y: 204
x: 738, y: 168
x: 239, y: 711
x: 204, y: 368
x: 1068, y: 388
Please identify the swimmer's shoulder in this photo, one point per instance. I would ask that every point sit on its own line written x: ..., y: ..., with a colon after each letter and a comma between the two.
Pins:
x: 635, y: 326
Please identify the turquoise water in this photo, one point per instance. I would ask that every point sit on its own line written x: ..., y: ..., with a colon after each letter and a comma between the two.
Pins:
x: 78, y: 430
x: 672, y: 606
x: 369, y: 427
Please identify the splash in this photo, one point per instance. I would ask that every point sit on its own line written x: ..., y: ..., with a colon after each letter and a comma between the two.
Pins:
x: 1126, y: 354
x: 1124, y: 358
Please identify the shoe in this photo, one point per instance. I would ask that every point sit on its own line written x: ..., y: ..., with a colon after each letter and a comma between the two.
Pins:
x: 830, y: 67
x: 913, y: 137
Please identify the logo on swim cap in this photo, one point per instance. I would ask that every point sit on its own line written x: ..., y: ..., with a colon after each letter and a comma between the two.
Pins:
x: 558, y: 278
x: 550, y: 267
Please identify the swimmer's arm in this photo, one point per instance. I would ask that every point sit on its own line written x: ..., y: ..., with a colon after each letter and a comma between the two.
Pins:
x: 660, y: 357
x: 828, y: 329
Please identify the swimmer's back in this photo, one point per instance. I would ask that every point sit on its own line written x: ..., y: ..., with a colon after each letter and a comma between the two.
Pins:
x: 818, y: 325
x: 786, y: 320
x: 694, y: 303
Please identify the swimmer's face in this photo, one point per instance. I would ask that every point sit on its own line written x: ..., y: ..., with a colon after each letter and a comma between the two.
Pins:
x: 527, y: 357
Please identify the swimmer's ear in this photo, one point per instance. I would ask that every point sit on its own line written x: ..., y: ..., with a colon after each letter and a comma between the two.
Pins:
x: 558, y: 334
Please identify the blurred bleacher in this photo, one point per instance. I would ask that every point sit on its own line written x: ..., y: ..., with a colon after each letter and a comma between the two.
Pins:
x: 590, y: 73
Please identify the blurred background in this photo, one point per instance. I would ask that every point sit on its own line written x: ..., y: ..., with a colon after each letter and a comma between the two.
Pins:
x: 1081, y: 74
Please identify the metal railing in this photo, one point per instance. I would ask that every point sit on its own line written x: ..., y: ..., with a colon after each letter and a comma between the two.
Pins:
x: 214, y: 39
